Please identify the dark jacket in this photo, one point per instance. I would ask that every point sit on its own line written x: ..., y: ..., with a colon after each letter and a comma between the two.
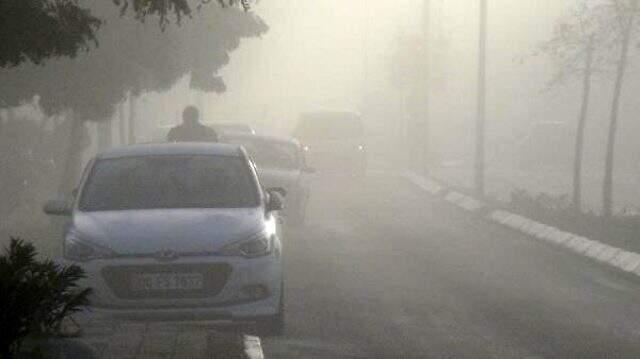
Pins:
x: 196, y: 132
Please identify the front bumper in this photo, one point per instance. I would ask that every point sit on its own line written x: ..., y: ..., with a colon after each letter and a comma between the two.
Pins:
x: 230, y: 303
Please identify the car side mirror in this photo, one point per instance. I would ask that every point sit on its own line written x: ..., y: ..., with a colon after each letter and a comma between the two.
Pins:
x: 57, y: 207
x: 279, y: 190
x: 307, y: 169
x: 274, y: 200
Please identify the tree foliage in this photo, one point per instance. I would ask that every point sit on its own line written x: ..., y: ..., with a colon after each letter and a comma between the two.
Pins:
x: 35, y: 30
x: 132, y: 58
x: 585, y: 28
x: 163, y: 9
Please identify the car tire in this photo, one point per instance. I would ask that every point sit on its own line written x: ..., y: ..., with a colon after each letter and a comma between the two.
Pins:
x: 273, y: 326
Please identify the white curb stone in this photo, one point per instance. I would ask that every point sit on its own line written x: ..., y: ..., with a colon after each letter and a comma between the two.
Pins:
x: 608, y: 253
x: 619, y: 258
x: 513, y: 221
x: 526, y: 224
x: 454, y: 197
x: 546, y: 232
x: 471, y: 204
x: 580, y: 244
x: 628, y: 261
x: 505, y: 217
x: 424, y: 183
x: 596, y: 249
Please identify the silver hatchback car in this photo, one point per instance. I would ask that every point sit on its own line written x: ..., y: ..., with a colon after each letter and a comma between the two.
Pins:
x: 177, y: 231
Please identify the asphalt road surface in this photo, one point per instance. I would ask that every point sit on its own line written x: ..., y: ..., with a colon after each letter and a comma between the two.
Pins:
x: 383, y: 270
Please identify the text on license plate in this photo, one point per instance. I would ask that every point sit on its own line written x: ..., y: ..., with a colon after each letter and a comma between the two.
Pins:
x: 166, y: 281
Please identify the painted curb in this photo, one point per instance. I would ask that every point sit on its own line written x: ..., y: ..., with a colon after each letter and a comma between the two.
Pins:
x: 424, y: 183
x: 615, y: 257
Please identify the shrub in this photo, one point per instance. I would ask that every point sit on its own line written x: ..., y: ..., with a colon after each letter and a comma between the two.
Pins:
x: 35, y: 296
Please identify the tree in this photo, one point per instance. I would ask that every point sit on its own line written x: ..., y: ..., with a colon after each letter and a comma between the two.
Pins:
x: 132, y: 58
x: 573, y: 48
x: 35, y: 30
x: 482, y: 98
x: 625, y: 12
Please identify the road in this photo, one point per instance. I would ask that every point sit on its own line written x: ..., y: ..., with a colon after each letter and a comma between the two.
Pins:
x: 385, y: 271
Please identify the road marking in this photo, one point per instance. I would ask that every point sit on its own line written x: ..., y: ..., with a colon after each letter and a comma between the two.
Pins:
x: 253, y: 347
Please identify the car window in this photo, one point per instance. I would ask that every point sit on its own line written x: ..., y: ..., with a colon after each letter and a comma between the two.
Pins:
x: 150, y: 182
x: 271, y: 154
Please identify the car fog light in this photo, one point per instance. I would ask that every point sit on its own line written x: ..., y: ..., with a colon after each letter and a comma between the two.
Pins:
x: 254, y: 292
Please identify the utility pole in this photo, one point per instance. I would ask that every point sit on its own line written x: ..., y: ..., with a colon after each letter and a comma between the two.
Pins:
x: 426, y: 83
x: 482, y: 98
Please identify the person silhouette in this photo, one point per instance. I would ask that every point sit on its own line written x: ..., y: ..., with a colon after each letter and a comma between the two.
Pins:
x: 191, y: 129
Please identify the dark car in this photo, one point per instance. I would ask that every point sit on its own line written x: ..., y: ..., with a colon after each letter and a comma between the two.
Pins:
x: 333, y: 141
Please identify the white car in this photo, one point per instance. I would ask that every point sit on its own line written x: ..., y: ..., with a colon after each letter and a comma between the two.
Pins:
x: 281, y: 164
x: 177, y: 231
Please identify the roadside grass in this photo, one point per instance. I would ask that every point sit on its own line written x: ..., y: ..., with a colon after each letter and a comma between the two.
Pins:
x: 622, y: 230
x: 542, y: 196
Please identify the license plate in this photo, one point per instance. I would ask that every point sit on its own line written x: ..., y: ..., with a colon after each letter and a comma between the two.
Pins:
x: 166, y: 281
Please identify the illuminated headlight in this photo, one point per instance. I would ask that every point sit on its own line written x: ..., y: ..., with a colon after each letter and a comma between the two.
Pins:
x: 78, y: 249
x: 360, y: 147
x: 305, y: 148
x: 259, y: 245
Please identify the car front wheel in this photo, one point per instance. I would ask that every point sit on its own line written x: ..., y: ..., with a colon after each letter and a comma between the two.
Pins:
x: 273, y: 325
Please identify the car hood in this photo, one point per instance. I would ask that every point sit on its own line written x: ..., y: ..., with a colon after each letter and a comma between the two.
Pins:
x: 177, y: 230
x: 271, y: 177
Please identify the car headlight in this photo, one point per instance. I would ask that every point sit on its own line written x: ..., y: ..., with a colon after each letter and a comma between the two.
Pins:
x: 78, y: 249
x: 259, y: 245
x: 360, y: 147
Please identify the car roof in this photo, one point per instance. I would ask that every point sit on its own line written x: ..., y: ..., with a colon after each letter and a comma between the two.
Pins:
x: 265, y: 138
x: 179, y: 148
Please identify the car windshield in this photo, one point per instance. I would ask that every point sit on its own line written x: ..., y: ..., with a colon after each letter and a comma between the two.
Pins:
x: 152, y: 182
x: 271, y: 154
x: 328, y: 126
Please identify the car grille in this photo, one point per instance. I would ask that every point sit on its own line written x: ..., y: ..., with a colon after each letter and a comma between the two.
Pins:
x: 119, y: 279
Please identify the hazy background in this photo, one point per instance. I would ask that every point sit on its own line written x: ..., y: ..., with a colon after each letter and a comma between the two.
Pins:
x: 331, y: 54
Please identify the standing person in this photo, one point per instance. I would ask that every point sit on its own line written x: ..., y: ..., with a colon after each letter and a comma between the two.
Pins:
x: 191, y: 130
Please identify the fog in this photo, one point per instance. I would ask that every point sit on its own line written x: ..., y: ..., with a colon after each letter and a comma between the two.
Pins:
x: 213, y: 165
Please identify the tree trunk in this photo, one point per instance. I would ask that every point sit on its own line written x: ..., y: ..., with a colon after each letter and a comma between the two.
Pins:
x: 132, y: 119
x: 72, y: 157
x: 582, y: 120
x: 122, y: 125
x: 607, y: 188
x: 480, y: 119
